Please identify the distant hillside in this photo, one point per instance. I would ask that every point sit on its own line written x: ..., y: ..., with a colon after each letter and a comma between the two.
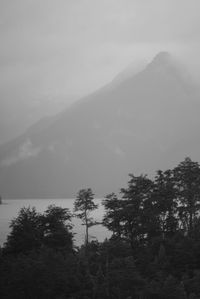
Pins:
x: 136, y: 124
x: 18, y: 114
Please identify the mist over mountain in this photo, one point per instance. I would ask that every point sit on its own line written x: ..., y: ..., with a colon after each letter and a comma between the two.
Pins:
x: 136, y: 124
x: 20, y: 113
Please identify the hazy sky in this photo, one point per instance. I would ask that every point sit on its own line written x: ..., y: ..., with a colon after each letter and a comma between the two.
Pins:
x: 52, y: 47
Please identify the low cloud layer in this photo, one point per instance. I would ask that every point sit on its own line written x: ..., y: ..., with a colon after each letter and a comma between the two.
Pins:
x: 25, y: 151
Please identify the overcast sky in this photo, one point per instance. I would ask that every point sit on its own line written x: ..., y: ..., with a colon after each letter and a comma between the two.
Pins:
x: 52, y: 47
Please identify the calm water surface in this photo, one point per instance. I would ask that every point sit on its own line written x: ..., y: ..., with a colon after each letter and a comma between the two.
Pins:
x: 10, y: 208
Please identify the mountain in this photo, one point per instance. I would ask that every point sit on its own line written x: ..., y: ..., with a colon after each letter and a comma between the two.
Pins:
x: 17, y: 115
x: 142, y: 123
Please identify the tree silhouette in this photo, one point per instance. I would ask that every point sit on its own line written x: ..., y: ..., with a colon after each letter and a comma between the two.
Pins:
x: 165, y: 201
x: 31, y: 230
x: 187, y: 180
x: 26, y: 232
x: 83, y: 206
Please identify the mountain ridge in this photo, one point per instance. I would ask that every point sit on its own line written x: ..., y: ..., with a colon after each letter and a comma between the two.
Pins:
x: 119, y: 129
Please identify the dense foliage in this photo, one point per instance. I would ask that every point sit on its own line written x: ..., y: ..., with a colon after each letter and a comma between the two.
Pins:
x: 153, y: 253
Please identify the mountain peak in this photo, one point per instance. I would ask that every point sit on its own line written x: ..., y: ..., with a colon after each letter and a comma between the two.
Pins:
x: 162, y: 59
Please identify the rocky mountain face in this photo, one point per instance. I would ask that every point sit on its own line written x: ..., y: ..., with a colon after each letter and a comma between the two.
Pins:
x: 136, y: 125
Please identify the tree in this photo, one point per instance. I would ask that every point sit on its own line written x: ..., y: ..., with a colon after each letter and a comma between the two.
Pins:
x: 45, y: 274
x: 187, y: 180
x: 84, y: 204
x: 165, y: 201
x: 113, y: 214
x: 172, y: 289
x: 31, y: 230
x: 137, y: 218
x: 132, y: 217
x: 57, y: 226
x: 26, y: 232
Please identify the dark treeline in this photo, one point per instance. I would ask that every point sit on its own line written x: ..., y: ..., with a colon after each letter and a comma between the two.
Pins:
x: 154, y: 251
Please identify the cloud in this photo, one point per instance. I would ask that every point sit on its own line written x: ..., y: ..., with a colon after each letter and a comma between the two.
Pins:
x: 25, y: 151
x: 77, y: 46
x: 119, y: 152
x: 36, y: 32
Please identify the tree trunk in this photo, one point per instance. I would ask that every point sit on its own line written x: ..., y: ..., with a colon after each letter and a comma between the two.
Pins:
x: 86, y: 229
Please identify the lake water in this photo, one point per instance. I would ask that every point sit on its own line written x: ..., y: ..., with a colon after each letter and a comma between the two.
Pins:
x: 10, y: 207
